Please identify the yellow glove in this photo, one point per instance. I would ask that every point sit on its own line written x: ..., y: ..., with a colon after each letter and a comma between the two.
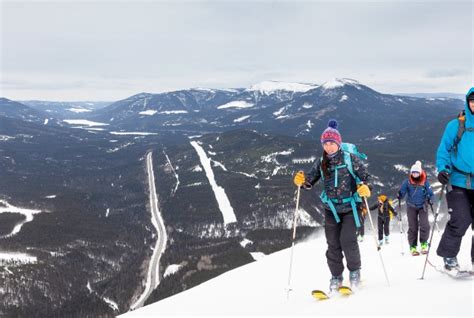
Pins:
x: 363, y: 190
x: 299, y: 178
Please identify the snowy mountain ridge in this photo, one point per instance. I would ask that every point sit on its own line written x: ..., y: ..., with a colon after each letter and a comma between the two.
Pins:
x: 259, y: 288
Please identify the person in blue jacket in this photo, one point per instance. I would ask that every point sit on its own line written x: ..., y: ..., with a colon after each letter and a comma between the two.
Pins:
x: 419, y: 193
x: 455, y: 165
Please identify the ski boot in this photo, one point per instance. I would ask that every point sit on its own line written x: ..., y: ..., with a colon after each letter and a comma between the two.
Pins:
x: 386, y: 239
x: 380, y: 242
x: 360, y: 238
x: 334, y: 283
x: 424, y: 247
x: 354, y: 278
x: 414, y: 250
x: 451, y: 263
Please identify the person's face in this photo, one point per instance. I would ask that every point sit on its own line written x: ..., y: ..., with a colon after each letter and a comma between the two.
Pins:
x: 415, y: 175
x: 471, y: 105
x: 330, y: 147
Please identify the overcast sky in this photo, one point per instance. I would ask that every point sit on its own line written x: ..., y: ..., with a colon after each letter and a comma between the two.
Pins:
x: 109, y: 50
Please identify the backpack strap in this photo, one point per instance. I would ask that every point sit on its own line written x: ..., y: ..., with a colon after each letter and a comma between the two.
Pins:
x: 353, y: 200
x: 461, y: 129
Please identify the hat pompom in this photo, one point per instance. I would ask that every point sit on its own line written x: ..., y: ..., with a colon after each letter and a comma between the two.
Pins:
x: 332, y: 123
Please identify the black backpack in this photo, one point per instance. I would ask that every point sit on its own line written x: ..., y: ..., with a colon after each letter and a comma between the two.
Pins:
x: 461, y: 129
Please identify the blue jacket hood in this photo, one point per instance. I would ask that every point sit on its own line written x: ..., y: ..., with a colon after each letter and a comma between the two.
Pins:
x: 469, y: 115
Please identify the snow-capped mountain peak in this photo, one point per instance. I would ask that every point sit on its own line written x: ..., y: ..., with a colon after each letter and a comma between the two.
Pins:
x: 339, y: 82
x: 270, y: 87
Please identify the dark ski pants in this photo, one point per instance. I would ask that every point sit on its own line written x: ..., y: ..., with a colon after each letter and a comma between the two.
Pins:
x: 361, y: 229
x: 383, y: 226
x: 461, y: 216
x: 417, y: 219
x: 342, y: 241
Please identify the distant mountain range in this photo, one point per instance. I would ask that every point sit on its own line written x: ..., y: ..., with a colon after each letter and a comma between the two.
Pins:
x: 89, y: 175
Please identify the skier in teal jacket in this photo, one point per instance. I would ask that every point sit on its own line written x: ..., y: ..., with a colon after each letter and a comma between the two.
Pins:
x: 455, y: 164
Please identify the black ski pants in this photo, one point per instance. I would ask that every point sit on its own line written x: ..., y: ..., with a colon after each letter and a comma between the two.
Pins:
x: 342, y: 241
x: 461, y: 216
x: 417, y: 219
x: 383, y: 225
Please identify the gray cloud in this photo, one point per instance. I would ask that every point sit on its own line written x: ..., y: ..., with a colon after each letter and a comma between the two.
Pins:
x: 116, y: 47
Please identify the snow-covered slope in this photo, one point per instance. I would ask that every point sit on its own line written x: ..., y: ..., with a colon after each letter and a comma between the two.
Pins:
x: 259, y: 288
x: 270, y: 87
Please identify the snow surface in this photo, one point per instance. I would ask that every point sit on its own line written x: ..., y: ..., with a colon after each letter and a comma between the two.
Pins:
x: 46, y: 121
x: 339, y: 82
x: 132, y: 133
x: 17, y: 257
x: 83, y: 122
x: 260, y: 288
x: 236, y: 104
x: 173, y: 112
x: 279, y: 112
x: 227, y: 211
x: 245, y: 242
x: 174, y: 172
x: 270, y: 87
x: 171, y: 269
x: 148, y: 112
x: 241, y: 119
x: 5, y: 137
x: 401, y: 168
x: 6, y: 207
x: 79, y: 110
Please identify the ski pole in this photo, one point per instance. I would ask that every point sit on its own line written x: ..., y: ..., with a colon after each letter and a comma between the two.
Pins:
x: 293, y: 242
x: 432, y: 210
x: 376, y: 240
x: 432, y: 231
x: 402, y: 232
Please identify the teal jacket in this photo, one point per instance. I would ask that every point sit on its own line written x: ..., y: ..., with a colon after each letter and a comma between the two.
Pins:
x: 463, y: 159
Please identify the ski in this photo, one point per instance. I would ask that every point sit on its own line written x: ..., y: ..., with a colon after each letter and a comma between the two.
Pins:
x: 454, y: 273
x: 458, y: 274
x: 321, y: 295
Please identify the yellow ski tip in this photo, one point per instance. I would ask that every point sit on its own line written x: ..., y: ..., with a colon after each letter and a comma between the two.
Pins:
x: 319, y: 294
x: 344, y: 290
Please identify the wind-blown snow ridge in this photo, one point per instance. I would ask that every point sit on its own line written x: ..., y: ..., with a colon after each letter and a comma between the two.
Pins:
x: 228, y: 213
x: 270, y: 87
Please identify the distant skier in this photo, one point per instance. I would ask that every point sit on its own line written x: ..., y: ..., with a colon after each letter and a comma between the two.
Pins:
x: 455, y: 164
x: 419, y: 193
x: 345, y: 181
x: 386, y: 212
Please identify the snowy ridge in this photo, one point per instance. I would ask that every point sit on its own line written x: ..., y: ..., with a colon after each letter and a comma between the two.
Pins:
x: 228, y: 213
x: 236, y: 104
x: 340, y: 82
x: 261, y: 286
x: 270, y: 87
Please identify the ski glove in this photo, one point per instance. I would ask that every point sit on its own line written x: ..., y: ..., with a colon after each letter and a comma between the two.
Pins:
x: 299, y: 179
x: 363, y: 190
x: 443, y: 177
